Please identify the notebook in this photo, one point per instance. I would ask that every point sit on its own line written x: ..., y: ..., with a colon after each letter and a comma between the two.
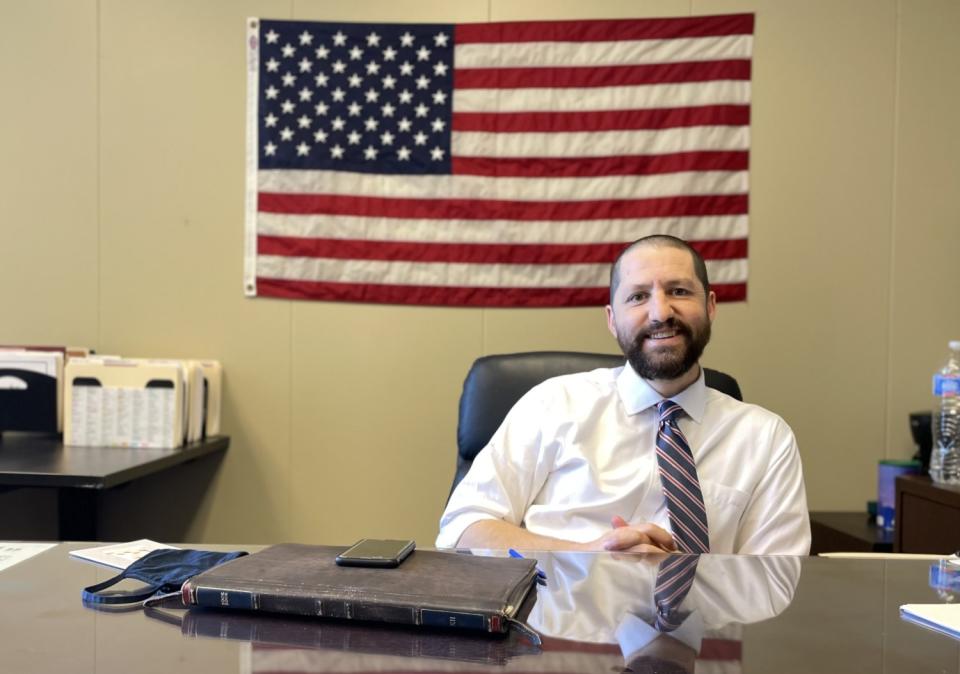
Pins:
x: 430, y: 589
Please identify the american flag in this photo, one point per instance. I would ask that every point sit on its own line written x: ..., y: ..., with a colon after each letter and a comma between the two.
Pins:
x: 496, y: 164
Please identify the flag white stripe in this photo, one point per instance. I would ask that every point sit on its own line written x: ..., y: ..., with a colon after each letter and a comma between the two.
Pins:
x: 447, y: 274
x: 509, y: 189
x: 578, y: 99
x: 623, y: 52
x: 708, y: 228
x: 599, y: 143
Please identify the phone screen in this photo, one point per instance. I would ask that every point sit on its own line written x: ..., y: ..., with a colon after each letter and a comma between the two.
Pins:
x: 376, y: 552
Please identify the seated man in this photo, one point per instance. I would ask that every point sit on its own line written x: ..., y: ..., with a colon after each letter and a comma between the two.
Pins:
x: 642, y: 457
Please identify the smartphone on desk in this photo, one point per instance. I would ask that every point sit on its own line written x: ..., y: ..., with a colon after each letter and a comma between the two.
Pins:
x: 376, y: 552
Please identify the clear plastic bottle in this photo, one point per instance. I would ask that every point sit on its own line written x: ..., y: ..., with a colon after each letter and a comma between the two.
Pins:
x: 945, y: 456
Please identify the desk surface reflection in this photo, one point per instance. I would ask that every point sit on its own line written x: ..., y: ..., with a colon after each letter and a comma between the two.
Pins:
x: 741, y: 614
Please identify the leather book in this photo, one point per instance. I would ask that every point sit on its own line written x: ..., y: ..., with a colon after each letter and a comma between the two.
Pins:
x: 429, y: 589
x: 273, y: 632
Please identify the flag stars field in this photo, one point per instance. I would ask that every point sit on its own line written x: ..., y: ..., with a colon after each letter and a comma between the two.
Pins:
x: 378, y: 105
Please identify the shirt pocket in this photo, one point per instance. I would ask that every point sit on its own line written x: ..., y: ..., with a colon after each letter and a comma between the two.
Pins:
x: 725, y: 505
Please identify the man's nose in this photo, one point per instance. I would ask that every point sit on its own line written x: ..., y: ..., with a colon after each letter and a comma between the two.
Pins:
x: 660, y: 307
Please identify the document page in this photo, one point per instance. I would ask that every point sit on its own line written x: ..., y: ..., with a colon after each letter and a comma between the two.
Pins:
x: 14, y: 553
x: 120, y: 555
x: 944, y: 618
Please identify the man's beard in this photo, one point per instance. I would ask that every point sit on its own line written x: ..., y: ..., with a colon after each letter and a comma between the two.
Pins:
x: 669, y: 364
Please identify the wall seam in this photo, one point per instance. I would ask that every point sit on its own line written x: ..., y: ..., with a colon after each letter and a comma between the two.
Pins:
x: 891, y: 259
x: 291, y: 373
x: 98, y: 171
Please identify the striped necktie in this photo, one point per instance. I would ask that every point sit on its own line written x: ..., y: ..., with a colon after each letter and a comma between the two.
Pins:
x: 678, y: 473
x: 674, y: 579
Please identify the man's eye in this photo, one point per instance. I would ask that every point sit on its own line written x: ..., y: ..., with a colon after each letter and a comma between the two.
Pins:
x: 681, y: 292
x: 637, y: 297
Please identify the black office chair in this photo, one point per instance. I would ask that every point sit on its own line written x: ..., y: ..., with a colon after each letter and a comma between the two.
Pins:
x: 495, y: 383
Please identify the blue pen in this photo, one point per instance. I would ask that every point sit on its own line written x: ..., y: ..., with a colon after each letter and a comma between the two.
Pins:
x: 541, y: 576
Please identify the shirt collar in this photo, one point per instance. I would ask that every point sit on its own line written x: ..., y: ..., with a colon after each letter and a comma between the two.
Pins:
x: 637, y: 394
x: 632, y: 633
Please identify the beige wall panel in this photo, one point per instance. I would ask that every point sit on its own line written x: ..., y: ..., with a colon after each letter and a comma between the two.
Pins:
x: 574, y: 329
x: 375, y: 391
x: 925, y: 306
x: 534, y: 10
x: 408, y: 11
x: 375, y: 388
x: 48, y: 173
x: 811, y: 342
x: 173, y: 93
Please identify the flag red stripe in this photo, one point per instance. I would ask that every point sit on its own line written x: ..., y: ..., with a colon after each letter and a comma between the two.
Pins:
x: 486, y: 253
x: 469, y: 209
x: 603, y: 30
x: 602, y: 120
x: 456, y: 296
x: 601, y: 76
x: 550, y: 167
x: 720, y: 649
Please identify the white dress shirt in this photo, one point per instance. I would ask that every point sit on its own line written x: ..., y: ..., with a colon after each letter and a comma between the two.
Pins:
x: 601, y: 598
x: 578, y: 449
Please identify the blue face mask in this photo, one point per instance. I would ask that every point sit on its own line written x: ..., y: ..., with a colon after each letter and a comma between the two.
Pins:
x: 163, y: 571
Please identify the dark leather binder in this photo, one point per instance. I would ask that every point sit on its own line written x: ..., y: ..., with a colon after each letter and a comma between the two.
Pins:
x: 321, y: 640
x: 431, y: 589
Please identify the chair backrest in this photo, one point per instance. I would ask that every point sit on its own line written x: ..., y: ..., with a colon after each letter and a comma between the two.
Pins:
x: 495, y: 383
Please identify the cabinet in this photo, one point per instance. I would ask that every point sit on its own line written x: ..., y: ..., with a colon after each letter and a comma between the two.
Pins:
x: 928, y: 516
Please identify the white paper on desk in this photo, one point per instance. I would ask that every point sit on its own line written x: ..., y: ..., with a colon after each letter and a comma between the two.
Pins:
x: 944, y: 618
x: 14, y: 553
x: 120, y: 555
x: 879, y: 555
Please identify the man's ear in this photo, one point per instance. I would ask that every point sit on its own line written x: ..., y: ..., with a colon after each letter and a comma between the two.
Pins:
x: 611, y: 324
x: 711, y: 305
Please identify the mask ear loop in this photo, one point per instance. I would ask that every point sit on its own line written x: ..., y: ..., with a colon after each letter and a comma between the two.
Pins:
x: 90, y: 594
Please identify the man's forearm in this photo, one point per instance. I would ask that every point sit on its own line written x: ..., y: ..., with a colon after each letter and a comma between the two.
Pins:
x: 500, y: 535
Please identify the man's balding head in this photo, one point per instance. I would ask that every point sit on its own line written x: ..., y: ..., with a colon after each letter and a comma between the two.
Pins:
x: 699, y: 267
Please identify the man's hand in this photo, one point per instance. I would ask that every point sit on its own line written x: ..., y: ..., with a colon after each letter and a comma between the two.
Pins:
x: 644, y: 537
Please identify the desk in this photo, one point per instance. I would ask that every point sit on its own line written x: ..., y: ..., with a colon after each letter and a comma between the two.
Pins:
x: 822, y: 615
x: 847, y: 532
x: 928, y: 516
x: 77, y: 474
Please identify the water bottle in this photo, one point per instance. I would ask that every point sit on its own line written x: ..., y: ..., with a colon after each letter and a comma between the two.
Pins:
x: 945, y: 457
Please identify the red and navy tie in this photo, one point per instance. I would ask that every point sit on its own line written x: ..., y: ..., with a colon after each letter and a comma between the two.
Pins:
x: 674, y: 579
x: 678, y: 473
